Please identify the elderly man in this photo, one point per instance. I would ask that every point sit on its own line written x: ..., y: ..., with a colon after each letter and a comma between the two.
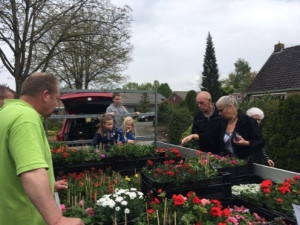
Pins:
x: 207, y: 118
x: 26, y: 171
x: 5, y: 93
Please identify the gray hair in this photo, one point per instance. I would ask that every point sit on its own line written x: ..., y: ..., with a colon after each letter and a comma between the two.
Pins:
x: 255, y: 111
x: 228, y: 100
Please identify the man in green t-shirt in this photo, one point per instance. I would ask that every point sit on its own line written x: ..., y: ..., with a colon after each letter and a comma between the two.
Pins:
x: 26, y: 172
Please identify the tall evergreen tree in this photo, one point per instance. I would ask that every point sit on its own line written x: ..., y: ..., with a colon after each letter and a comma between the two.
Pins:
x: 210, y: 74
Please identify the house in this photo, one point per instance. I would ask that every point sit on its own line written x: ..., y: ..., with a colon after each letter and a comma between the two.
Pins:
x: 279, y: 76
x: 177, y: 97
x: 131, y: 100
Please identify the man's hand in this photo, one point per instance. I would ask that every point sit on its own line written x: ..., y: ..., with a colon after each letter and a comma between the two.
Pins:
x: 60, y: 185
x: 190, y: 137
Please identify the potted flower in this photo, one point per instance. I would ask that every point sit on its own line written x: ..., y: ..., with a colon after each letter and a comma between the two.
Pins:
x: 193, y: 210
x: 195, y: 173
x: 122, y: 206
x: 278, y: 197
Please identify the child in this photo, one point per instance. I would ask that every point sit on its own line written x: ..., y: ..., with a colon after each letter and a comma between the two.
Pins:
x: 106, y: 135
x: 129, y: 135
x: 117, y: 110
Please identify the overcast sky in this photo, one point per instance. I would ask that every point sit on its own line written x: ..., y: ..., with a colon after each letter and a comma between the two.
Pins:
x: 169, y: 36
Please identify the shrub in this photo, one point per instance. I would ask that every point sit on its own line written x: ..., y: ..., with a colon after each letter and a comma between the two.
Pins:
x: 179, y: 121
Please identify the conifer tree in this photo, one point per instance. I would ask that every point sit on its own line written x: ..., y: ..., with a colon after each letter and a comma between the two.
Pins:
x: 210, y: 74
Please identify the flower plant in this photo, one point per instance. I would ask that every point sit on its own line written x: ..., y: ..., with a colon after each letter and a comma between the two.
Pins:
x: 122, y: 205
x: 193, y: 169
x: 225, y: 161
x: 63, y: 153
x: 170, y: 154
x: 132, y: 150
x: 86, y: 187
x: 192, y: 210
x: 276, y: 196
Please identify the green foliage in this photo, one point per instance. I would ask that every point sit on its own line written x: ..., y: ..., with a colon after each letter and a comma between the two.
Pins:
x: 280, y: 129
x: 210, y: 74
x: 164, y: 89
x: 190, y: 100
x: 132, y: 150
x: 179, y: 121
x: 145, y: 103
x: 240, y: 79
x: 164, y: 111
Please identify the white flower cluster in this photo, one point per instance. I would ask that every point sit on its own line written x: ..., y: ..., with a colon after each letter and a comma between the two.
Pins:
x: 120, y: 199
x: 245, y: 189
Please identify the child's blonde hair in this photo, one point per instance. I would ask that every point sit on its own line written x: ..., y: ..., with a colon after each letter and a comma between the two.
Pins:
x: 103, y: 119
x: 128, y: 119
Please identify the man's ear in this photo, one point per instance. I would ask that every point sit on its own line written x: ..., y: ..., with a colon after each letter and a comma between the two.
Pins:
x: 45, y: 95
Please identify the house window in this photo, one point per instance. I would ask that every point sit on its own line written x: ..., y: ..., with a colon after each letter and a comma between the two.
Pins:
x: 174, y: 98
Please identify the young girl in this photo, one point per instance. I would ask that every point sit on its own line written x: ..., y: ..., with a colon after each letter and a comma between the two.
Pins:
x: 126, y: 133
x: 106, y: 135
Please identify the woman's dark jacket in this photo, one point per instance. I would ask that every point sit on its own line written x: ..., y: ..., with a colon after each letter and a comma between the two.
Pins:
x: 245, y: 127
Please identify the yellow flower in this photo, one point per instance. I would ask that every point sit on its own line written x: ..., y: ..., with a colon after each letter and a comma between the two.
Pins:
x: 127, y: 178
x: 136, y: 175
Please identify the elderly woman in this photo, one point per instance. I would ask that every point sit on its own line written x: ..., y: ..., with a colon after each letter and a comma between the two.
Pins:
x: 258, y: 115
x: 237, y: 133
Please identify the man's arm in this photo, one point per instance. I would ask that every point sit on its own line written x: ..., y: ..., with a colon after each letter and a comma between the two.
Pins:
x: 37, y: 187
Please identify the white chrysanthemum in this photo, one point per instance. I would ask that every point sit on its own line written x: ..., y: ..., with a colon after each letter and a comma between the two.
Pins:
x: 117, y: 208
x: 133, y: 189
x: 120, y: 191
x: 141, y: 195
x: 119, y: 199
x: 132, y: 195
x: 111, y: 204
x: 124, y: 203
x: 126, y: 211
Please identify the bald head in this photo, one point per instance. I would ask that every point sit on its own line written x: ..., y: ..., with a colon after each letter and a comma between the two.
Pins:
x: 204, y: 95
x: 203, y: 101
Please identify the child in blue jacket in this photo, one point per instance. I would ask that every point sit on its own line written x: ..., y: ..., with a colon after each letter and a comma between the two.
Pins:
x: 126, y: 134
x: 106, y: 135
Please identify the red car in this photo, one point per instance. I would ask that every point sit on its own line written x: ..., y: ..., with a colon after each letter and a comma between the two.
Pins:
x: 84, y: 109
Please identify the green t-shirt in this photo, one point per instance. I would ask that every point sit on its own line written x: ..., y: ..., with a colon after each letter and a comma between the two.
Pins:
x: 23, y: 147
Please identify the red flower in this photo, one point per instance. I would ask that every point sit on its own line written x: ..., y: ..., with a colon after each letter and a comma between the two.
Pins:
x: 178, y: 199
x: 216, y: 202
x: 159, y: 190
x: 170, y: 173
x: 150, y: 211
x: 226, y: 212
x: 65, y: 155
x: 266, y: 190
x: 58, y: 151
x: 150, y: 162
x: 279, y: 200
x: 216, y: 211
x: 266, y: 184
x: 221, y: 223
x: 284, y: 190
x: 196, y: 200
x: 296, y: 177
x: 199, y: 152
x: 171, y: 161
x: 190, y: 193
x: 176, y: 151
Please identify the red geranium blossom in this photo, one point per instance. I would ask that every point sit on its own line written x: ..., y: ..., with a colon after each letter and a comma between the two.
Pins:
x: 178, y: 199
x: 216, y: 211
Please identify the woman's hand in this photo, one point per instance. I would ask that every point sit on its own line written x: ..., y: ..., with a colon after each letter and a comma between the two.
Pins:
x: 60, y: 185
x: 130, y: 141
x: 241, y: 141
x: 271, y: 163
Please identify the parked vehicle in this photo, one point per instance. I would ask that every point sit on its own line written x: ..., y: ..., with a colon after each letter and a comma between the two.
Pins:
x: 82, y: 103
x: 145, y: 117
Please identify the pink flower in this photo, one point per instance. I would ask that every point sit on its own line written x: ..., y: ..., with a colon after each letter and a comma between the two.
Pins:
x: 90, y: 211
x: 63, y: 207
x: 232, y: 220
x: 81, y: 202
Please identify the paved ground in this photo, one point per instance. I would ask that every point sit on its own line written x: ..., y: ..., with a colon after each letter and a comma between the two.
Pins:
x: 145, y: 129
